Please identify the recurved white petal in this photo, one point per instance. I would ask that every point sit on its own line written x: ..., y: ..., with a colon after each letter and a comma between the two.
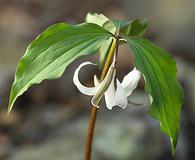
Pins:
x: 130, y: 81
x: 83, y: 89
x: 96, y: 81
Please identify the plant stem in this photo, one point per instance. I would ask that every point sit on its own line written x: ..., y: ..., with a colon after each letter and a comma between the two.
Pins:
x: 95, y: 109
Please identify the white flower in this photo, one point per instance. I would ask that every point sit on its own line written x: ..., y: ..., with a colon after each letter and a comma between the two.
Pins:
x: 114, y: 96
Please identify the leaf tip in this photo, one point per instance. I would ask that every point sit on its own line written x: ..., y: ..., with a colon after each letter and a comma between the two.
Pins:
x: 9, y: 107
x: 12, y: 99
x: 173, y: 146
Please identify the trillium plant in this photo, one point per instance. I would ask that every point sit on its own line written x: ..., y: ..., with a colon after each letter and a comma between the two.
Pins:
x: 59, y: 45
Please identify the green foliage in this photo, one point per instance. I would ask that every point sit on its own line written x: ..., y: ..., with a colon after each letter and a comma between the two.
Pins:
x: 119, y: 24
x: 135, y: 28
x: 48, y: 56
x: 159, y: 70
x: 115, y: 26
x: 122, y: 27
x: 58, y: 46
x: 102, y: 21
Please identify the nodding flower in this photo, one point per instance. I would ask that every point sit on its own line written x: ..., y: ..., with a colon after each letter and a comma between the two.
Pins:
x: 115, y: 95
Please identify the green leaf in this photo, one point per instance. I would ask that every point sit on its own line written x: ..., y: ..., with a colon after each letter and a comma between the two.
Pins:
x: 131, y: 28
x: 159, y: 70
x: 48, y: 56
x: 102, y: 21
x: 135, y: 28
x: 119, y: 24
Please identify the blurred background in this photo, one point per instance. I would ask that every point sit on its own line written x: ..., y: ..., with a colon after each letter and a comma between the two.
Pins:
x: 50, y: 120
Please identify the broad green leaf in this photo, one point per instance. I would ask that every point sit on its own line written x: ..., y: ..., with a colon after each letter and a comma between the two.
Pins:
x: 159, y: 70
x: 135, y: 28
x: 48, y: 56
x: 102, y: 21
